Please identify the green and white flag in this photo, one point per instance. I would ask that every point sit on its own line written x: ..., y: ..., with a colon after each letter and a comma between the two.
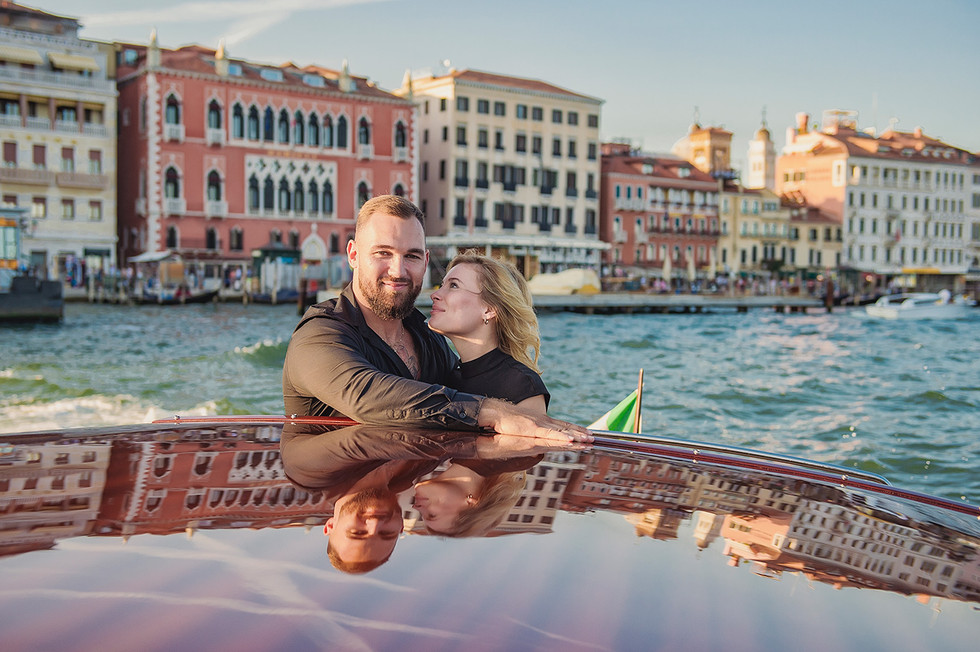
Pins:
x: 621, y: 418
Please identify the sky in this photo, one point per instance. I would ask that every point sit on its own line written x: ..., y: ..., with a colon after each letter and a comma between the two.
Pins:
x: 657, y: 65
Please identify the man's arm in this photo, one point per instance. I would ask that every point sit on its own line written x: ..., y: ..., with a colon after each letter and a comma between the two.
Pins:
x: 502, y: 417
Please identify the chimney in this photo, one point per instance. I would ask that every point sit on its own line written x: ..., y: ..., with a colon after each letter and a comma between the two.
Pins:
x: 221, y: 60
x: 153, y: 52
x: 917, y: 132
x: 802, y: 119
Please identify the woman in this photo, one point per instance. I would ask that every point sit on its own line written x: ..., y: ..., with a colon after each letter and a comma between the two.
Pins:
x: 484, y: 308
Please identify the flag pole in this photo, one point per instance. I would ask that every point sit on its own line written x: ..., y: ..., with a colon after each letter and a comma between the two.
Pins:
x: 639, y: 402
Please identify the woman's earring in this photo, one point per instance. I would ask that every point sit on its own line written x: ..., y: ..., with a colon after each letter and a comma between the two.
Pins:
x: 486, y: 320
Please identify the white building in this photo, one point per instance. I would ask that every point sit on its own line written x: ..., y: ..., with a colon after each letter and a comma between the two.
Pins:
x: 57, y: 127
x: 510, y: 165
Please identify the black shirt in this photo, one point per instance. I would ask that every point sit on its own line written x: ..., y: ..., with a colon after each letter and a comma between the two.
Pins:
x: 497, y: 375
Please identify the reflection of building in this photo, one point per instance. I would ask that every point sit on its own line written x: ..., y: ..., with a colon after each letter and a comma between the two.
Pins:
x: 163, y: 487
x: 626, y: 484
x: 658, y: 523
x: 657, y: 209
x: 58, y: 127
x: 509, y: 164
x: 906, y: 202
x: 49, y: 493
x: 537, y: 507
x: 220, y: 157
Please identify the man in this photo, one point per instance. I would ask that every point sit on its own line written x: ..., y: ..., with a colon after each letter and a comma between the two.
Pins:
x: 368, y: 354
x: 364, y: 529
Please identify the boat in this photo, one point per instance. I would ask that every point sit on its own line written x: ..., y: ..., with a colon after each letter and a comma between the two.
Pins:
x: 919, y: 305
x: 734, y: 549
x: 32, y: 300
x: 175, y: 296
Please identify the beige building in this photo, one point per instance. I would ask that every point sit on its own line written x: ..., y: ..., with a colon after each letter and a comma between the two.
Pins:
x: 756, y: 237
x: 709, y: 149
x: 58, y: 129
x: 510, y: 165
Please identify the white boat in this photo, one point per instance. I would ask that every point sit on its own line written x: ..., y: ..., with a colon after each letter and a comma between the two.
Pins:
x: 919, y: 305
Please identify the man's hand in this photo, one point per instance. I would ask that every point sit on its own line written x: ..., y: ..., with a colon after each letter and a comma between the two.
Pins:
x: 510, y: 419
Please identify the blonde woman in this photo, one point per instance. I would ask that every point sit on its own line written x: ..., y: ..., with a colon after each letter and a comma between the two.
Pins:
x: 484, y: 308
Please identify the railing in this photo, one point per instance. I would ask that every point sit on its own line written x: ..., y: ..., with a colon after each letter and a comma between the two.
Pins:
x: 589, y: 229
x: 35, y: 77
x: 94, y: 129
x: 546, y: 190
x: 216, y: 208
x: 619, y: 236
x: 482, y: 184
x: 27, y: 175
x: 214, y: 136
x: 571, y: 192
x: 365, y: 152
x: 510, y: 186
x: 174, y: 206
x: 544, y: 226
x: 141, y: 205
x: 460, y: 220
x: 571, y: 228
x: 480, y: 223
x: 37, y: 123
x: 591, y: 194
x: 173, y: 132
x: 66, y: 126
x: 462, y: 182
x: 10, y: 120
x: 401, y: 154
x: 82, y: 180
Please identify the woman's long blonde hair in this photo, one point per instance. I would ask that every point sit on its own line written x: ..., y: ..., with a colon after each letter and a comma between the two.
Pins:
x: 503, y: 288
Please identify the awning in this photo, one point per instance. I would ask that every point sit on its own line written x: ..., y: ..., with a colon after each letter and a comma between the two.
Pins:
x: 920, y: 270
x: 72, y: 61
x: 151, y: 256
x: 20, y: 55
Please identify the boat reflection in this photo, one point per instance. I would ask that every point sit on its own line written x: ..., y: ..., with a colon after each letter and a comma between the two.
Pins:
x: 181, y: 479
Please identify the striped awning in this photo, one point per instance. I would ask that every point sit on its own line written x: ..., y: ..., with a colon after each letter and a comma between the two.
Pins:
x: 72, y: 61
x: 20, y: 55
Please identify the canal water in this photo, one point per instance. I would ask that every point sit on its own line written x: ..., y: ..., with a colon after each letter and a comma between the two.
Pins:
x: 899, y: 399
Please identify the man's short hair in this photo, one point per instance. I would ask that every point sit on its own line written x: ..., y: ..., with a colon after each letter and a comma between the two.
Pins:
x: 389, y: 205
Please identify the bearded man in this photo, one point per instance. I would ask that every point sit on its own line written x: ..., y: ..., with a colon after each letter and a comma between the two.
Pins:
x: 368, y: 354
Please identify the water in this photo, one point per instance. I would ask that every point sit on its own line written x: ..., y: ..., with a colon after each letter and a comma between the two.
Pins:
x: 900, y: 399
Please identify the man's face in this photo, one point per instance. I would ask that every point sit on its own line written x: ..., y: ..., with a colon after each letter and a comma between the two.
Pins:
x: 365, y: 526
x: 389, y: 258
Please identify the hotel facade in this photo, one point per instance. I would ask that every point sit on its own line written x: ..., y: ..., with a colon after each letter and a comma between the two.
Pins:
x: 58, y: 129
x: 222, y: 158
x: 511, y: 166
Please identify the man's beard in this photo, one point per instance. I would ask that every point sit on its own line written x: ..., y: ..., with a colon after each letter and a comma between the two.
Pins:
x: 385, y: 304
x: 379, y: 498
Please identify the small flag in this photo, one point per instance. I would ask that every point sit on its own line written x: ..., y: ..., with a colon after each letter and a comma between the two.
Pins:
x: 621, y: 418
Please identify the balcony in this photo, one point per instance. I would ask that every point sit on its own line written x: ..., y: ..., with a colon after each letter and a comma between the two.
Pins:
x: 174, y: 206
x: 215, y: 208
x: 71, y: 80
x: 571, y: 229
x: 510, y: 186
x: 571, y: 192
x: 37, y: 123
x: 507, y: 225
x: 460, y: 220
x: 462, y: 182
x: 544, y: 226
x: 141, y: 205
x: 480, y: 223
x: 365, y: 152
x: 10, y: 120
x: 26, y: 176
x: 94, y: 129
x: 620, y: 236
x: 82, y: 180
x: 546, y: 190
x: 173, y: 133
x: 401, y: 154
x: 591, y: 194
x: 482, y: 184
x: 589, y: 229
x: 214, y: 136
x: 66, y: 126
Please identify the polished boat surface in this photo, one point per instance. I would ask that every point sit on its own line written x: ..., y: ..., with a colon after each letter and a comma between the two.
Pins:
x: 211, y: 536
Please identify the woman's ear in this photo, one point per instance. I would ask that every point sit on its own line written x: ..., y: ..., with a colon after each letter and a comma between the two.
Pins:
x: 489, y: 313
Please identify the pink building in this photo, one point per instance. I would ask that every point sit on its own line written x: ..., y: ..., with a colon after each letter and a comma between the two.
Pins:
x: 655, y: 209
x: 220, y: 157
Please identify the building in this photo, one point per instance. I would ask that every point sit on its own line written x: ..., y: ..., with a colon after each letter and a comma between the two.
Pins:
x: 221, y: 157
x: 709, y: 149
x: 58, y: 128
x: 756, y: 235
x: 510, y: 165
x: 908, y: 204
x: 762, y: 160
x: 660, y: 214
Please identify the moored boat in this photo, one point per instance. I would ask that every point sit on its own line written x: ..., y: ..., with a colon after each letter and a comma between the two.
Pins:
x: 919, y: 305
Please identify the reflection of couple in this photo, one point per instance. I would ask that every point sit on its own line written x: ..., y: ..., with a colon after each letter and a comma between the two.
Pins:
x: 364, y: 470
x: 368, y: 354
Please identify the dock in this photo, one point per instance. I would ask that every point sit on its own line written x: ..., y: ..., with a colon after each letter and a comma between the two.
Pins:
x: 638, y: 302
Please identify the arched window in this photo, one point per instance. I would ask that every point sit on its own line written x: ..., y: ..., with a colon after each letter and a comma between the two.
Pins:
x: 342, y: 132
x: 211, y: 239
x: 401, y: 136
x: 253, y: 123
x: 334, y: 243
x: 268, y: 195
x: 363, y: 132
x: 313, y: 194
x: 275, y: 235
x: 327, y: 131
x: 298, y: 197
x: 299, y: 126
x: 171, y: 183
x: 172, y: 113
x: 253, y: 194
x: 327, y: 198
x: 173, y: 239
x: 268, y: 125
x: 214, y: 115
x: 398, y: 190
x: 214, y: 186
x: 283, y: 126
x: 314, y: 130
x: 237, y: 121
x: 363, y: 194
x: 294, y: 239
x: 284, y: 198
x: 236, y: 241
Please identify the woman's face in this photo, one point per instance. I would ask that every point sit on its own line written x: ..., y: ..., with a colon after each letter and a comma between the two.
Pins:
x: 457, y: 308
x: 439, y: 503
